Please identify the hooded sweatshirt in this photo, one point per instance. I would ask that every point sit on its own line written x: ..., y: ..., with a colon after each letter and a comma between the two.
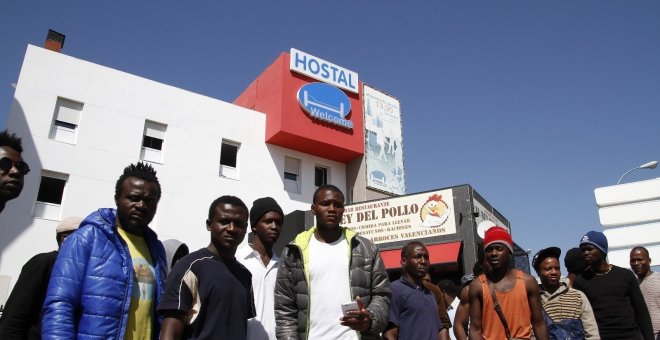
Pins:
x: 171, y: 246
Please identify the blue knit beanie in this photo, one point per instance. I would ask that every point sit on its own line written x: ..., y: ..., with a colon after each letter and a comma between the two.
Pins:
x: 596, y: 239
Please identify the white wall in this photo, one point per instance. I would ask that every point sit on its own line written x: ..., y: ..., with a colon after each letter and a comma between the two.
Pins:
x: 630, y: 215
x: 116, y: 105
x: 621, y: 257
x: 621, y: 240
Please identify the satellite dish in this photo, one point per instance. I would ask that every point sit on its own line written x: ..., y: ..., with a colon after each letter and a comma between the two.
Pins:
x: 483, y: 226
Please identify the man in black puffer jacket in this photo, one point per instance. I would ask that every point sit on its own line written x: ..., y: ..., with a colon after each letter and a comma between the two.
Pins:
x: 318, y: 258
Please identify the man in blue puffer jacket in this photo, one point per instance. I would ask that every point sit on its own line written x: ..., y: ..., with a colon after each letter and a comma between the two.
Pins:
x: 109, y: 274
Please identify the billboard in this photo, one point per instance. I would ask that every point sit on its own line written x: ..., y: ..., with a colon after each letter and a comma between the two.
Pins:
x: 383, y: 142
x: 403, y: 218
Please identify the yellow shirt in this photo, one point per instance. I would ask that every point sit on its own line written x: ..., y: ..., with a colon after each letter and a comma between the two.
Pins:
x: 141, y: 311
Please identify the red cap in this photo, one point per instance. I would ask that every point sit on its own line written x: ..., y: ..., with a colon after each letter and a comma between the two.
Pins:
x: 498, y: 234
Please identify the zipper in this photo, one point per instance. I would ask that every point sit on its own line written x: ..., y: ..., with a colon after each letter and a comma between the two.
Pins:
x: 129, y: 278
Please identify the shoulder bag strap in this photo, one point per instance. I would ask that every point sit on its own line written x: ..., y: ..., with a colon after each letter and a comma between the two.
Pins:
x: 498, y: 309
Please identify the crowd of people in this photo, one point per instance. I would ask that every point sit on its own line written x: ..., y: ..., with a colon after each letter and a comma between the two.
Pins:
x: 113, y: 278
x: 596, y: 300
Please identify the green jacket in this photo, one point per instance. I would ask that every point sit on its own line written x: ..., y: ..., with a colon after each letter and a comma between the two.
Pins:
x: 368, y: 280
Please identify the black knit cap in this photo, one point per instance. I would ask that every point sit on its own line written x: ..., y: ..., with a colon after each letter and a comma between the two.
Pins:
x: 543, y: 254
x: 574, y: 262
x: 261, y: 206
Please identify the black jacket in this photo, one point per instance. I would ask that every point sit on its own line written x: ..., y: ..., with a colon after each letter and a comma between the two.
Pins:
x: 21, y: 318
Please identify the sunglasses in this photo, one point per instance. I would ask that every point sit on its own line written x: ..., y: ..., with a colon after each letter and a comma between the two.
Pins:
x: 6, y: 164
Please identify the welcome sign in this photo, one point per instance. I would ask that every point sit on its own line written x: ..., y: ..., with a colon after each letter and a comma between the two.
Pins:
x: 325, y: 102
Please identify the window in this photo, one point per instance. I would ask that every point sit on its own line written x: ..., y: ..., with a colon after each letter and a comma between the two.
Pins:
x: 320, y: 176
x: 49, y: 197
x: 66, y: 120
x: 292, y: 175
x: 229, y: 159
x: 152, y: 141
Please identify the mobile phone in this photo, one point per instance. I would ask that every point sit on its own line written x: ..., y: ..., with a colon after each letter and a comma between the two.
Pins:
x: 347, y: 307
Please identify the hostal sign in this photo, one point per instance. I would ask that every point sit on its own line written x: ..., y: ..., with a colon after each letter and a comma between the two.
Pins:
x: 324, y: 101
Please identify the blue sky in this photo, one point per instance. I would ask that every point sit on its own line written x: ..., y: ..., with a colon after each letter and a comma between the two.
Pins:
x: 533, y: 103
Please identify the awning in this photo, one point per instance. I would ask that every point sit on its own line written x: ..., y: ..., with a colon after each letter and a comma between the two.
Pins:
x: 445, y: 253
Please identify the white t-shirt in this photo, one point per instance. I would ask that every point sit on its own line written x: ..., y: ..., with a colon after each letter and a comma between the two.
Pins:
x: 263, y: 287
x: 451, y: 312
x: 329, y: 289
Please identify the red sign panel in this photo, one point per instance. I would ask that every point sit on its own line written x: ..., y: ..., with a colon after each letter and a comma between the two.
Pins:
x: 274, y: 93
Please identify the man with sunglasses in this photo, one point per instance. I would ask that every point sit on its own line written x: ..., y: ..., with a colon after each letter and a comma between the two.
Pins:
x: 12, y: 168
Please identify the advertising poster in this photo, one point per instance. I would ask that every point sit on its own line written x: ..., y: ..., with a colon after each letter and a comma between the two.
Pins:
x: 403, y: 218
x: 383, y: 139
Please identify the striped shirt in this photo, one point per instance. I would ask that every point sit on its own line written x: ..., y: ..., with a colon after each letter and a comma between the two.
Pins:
x: 568, y: 303
x: 650, y: 287
x: 564, y: 306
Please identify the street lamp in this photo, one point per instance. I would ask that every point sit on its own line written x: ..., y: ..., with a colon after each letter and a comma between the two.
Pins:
x: 649, y: 165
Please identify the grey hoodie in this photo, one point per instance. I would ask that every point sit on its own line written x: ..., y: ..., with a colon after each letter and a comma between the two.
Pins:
x: 171, y: 246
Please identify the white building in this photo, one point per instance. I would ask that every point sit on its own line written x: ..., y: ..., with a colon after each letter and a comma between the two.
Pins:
x: 630, y: 216
x: 82, y: 123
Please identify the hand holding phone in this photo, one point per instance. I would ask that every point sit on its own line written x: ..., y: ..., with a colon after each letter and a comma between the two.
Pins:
x: 356, y: 316
x: 347, y: 307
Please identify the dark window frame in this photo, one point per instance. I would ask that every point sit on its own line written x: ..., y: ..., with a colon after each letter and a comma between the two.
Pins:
x: 65, y: 124
x: 291, y: 176
x: 51, y: 190
x: 229, y: 154
x: 152, y: 143
x: 320, y: 176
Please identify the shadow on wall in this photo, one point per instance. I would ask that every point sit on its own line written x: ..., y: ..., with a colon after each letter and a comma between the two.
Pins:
x: 279, y: 159
x: 17, y: 216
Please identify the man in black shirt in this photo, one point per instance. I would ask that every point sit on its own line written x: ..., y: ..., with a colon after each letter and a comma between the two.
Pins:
x: 613, y: 292
x: 208, y: 293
